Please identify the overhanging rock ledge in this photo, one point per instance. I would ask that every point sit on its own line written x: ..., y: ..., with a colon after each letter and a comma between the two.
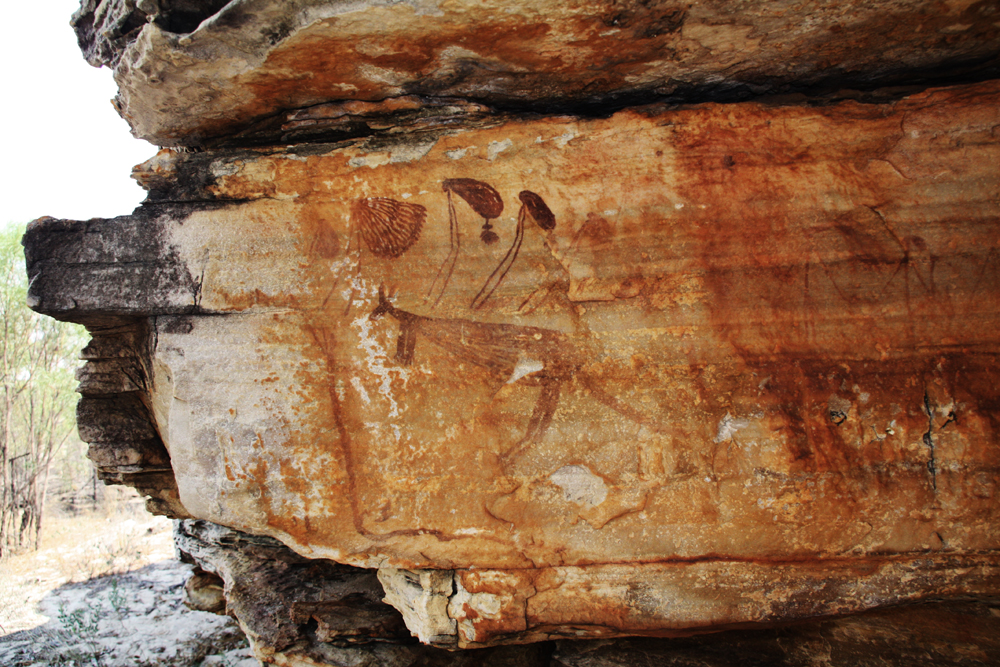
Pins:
x: 551, y: 373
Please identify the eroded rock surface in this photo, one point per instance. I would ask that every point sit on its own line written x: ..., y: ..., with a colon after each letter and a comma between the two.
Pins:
x: 282, y: 599
x: 301, y: 611
x: 292, y: 609
x: 423, y: 290
x: 191, y: 73
x: 578, y: 361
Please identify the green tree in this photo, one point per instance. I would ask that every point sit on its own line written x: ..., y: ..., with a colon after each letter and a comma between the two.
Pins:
x: 37, y: 407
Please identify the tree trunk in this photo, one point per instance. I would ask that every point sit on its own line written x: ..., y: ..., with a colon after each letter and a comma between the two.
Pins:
x: 5, y: 495
x: 43, y: 492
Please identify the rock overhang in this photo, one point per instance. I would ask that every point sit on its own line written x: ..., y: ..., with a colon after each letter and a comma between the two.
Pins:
x: 253, y: 59
x: 659, y: 371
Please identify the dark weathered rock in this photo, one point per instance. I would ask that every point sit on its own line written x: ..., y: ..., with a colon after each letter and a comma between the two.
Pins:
x: 108, y: 271
x: 114, y: 417
x: 104, y: 29
x: 952, y: 634
x: 279, y: 597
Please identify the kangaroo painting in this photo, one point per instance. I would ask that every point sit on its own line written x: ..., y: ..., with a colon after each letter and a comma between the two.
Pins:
x: 533, y: 355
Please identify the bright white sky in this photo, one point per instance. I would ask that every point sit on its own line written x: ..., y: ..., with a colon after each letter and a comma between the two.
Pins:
x: 66, y: 152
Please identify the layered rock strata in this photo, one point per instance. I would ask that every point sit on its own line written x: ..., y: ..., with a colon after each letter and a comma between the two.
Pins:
x: 191, y: 73
x: 299, y: 611
x: 477, y: 298
x: 602, y: 376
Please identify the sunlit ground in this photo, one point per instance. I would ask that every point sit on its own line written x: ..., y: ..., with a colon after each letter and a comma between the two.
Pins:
x: 104, y: 589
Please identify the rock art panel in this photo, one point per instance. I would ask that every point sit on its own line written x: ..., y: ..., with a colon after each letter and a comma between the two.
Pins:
x: 740, y: 344
x: 195, y: 73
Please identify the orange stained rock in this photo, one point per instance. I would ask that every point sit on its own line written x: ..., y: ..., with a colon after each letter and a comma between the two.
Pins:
x: 749, y: 332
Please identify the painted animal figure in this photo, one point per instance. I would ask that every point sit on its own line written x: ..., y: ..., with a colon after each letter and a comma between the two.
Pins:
x: 509, y: 352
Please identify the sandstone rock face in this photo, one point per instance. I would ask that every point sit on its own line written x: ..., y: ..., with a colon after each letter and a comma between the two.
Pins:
x: 191, y: 73
x: 298, y: 611
x: 449, y: 320
x: 604, y: 374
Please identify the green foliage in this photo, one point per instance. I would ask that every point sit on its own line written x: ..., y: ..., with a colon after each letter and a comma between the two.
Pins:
x: 83, y: 626
x: 37, y: 402
x: 116, y: 596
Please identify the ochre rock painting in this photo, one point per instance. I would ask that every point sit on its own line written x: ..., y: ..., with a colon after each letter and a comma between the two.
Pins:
x: 491, y: 323
x: 667, y: 370
x: 566, y: 342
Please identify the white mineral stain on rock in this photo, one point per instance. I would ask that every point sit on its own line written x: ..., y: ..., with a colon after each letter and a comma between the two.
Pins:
x: 375, y: 356
x: 565, y: 138
x: 483, y: 605
x: 371, y: 160
x: 457, y: 610
x: 457, y: 153
x: 356, y: 383
x: 728, y: 426
x: 411, y: 152
x: 497, y: 147
x: 421, y: 596
x: 580, y: 486
x: 486, y: 604
x: 222, y: 168
x: 525, y: 367
x: 426, y: 7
